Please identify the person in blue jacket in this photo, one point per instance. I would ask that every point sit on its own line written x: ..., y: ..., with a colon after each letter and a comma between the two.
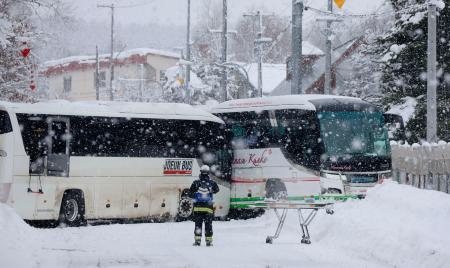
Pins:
x: 202, y: 191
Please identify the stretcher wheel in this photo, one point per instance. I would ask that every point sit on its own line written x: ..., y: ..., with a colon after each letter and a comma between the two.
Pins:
x: 306, y: 241
x: 269, y: 240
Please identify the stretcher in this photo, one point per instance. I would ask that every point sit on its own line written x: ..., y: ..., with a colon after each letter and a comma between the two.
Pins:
x: 306, y: 209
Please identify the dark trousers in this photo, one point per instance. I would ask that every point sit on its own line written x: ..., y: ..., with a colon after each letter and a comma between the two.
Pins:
x: 199, y: 218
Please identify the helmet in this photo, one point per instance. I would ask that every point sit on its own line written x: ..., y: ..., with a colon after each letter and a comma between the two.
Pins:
x: 204, y: 169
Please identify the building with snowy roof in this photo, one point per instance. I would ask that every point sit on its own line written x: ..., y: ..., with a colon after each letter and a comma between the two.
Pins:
x: 273, y: 75
x: 313, y: 69
x: 137, y: 75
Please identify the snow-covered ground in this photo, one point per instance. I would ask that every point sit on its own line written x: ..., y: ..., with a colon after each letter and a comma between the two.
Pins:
x: 395, y: 226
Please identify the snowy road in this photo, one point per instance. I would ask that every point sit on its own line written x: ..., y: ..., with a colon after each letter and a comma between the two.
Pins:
x: 396, y: 226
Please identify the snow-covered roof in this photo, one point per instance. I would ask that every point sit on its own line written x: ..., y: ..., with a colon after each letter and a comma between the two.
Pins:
x: 310, y: 49
x: 276, y: 102
x: 117, y: 55
x: 312, y: 80
x: 273, y: 75
x: 132, y: 56
x: 112, y: 109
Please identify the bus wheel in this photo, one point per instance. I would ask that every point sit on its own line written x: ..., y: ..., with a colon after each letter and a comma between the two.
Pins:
x: 185, y: 207
x: 276, y: 190
x: 72, y: 209
x: 333, y: 191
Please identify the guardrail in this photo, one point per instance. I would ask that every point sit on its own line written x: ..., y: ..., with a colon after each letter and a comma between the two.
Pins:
x: 425, y: 166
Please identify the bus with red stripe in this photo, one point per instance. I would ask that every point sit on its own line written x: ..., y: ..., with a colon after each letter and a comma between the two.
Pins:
x: 297, y: 146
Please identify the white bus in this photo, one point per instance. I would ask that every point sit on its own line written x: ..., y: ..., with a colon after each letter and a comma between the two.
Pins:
x: 296, y: 146
x: 73, y: 162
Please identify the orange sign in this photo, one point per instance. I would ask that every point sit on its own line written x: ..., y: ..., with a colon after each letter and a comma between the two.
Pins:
x: 339, y: 3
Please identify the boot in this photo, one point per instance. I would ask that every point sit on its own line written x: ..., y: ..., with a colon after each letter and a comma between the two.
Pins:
x: 208, y: 241
x: 197, y: 241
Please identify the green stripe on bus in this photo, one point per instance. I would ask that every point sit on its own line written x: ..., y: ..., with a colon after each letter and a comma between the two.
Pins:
x: 248, y: 201
x: 237, y: 206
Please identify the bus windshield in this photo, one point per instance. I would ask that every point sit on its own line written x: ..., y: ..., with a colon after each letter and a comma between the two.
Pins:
x: 354, y: 133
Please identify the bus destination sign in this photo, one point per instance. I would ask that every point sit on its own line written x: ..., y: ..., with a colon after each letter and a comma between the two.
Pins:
x: 174, y: 167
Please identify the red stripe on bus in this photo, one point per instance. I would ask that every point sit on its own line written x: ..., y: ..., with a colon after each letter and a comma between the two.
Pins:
x: 177, y: 172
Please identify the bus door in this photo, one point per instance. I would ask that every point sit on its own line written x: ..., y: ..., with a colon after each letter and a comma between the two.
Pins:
x: 58, y: 159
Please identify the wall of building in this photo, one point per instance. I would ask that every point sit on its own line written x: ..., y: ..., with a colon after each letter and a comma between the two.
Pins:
x: 126, y: 75
x: 161, y: 63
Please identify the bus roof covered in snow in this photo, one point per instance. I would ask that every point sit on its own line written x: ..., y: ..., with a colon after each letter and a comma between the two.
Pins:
x: 112, y: 109
x: 311, y: 102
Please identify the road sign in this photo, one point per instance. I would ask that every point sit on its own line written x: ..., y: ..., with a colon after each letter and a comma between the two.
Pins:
x: 339, y: 3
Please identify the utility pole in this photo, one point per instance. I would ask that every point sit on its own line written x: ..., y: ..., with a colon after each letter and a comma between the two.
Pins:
x: 297, y: 57
x: 431, y: 75
x: 259, y: 42
x: 97, y: 73
x: 188, y: 52
x: 111, y: 64
x: 328, y: 35
x: 327, y: 87
x: 223, y: 59
x: 141, y: 83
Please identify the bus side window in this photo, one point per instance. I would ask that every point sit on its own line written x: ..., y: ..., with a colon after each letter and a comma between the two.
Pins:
x: 298, y: 134
x: 34, y: 130
x: 5, y: 123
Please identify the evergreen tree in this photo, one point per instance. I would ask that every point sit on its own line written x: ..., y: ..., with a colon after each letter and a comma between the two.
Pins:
x: 405, y: 64
x: 19, y: 33
x: 16, y: 34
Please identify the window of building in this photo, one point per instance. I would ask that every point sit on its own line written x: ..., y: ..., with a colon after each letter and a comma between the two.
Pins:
x: 67, y: 84
x: 101, y: 79
x: 162, y: 76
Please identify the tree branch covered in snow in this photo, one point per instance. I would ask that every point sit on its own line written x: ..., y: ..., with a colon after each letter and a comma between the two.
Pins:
x: 404, y: 65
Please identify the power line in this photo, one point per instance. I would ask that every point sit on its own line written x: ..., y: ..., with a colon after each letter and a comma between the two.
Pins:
x: 134, y: 5
x: 413, y: 8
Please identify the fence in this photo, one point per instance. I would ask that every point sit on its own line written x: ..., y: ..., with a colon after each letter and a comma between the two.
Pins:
x: 425, y: 166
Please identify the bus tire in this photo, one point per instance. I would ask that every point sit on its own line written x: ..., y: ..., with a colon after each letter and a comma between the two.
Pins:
x: 334, y: 191
x: 185, y: 206
x: 72, y: 209
x: 276, y: 189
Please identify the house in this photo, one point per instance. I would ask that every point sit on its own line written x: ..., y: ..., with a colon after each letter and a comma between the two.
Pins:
x: 138, y: 74
x: 342, y: 53
x: 313, y: 80
x: 275, y: 74
x: 272, y: 75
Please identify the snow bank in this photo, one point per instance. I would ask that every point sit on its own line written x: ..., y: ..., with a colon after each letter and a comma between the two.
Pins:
x: 396, y: 225
x: 16, y: 240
